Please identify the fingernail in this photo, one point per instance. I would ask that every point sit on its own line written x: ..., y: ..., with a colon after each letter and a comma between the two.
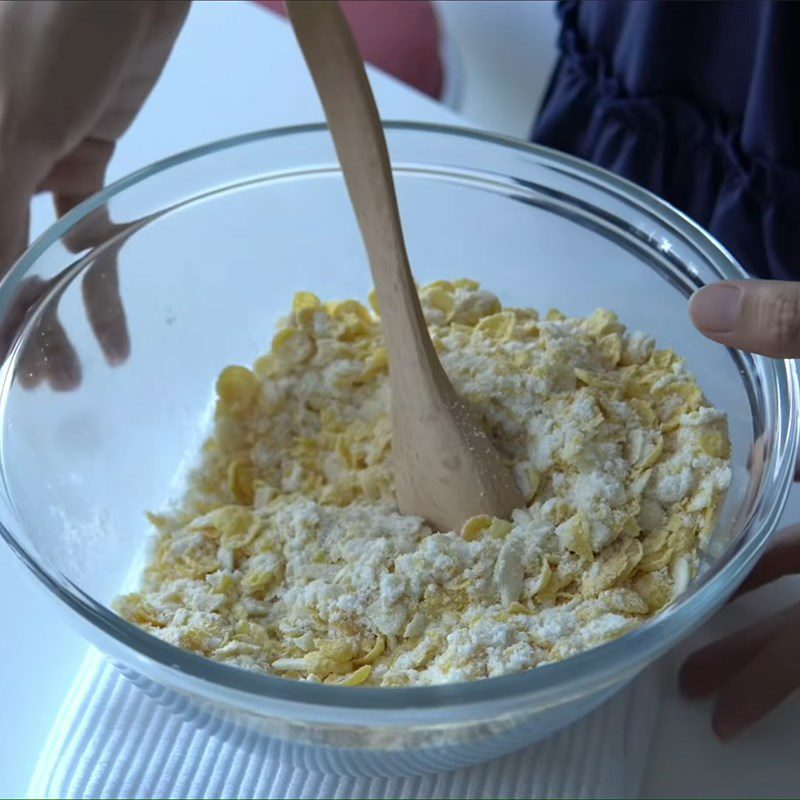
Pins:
x: 716, y: 308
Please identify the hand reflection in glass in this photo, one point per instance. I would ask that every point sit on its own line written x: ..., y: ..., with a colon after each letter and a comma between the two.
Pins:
x: 73, y: 76
x: 48, y: 356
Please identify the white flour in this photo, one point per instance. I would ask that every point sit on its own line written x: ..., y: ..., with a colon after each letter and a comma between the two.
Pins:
x: 289, y: 555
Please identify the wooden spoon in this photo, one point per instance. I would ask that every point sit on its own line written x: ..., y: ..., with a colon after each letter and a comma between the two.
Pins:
x: 446, y: 468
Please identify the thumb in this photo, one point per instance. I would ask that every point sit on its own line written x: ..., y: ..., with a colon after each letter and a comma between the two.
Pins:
x: 757, y: 316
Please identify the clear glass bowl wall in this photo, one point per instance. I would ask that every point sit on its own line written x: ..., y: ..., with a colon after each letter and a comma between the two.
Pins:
x: 211, y: 246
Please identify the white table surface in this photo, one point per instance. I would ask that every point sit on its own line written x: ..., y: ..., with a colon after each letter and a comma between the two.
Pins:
x: 212, y: 89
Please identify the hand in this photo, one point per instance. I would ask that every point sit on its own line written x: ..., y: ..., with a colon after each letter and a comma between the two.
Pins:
x: 754, y: 670
x: 73, y: 76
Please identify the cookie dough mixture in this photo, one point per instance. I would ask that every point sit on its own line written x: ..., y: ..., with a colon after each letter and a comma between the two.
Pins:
x: 288, y: 555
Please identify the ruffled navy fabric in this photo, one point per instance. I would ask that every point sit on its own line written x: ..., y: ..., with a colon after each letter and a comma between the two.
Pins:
x: 696, y: 101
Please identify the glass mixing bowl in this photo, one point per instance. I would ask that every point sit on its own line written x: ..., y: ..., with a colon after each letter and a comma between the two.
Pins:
x: 210, y: 247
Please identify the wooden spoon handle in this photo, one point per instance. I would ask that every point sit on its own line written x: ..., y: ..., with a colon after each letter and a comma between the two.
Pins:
x: 341, y: 80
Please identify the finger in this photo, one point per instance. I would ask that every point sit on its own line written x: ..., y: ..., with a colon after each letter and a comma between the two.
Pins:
x: 782, y: 558
x: 76, y: 177
x: 102, y: 296
x: 28, y: 292
x: 104, y: 308
x: 763, y: 684
x: 30, y: 372
x: 100, y: 287
x: 63, y: 367
x: 757, y: 316
x: 49, y: 355
x: 711, y: 667
x: 14, y: 221
x: 57, y: 359
x: 79, y: 174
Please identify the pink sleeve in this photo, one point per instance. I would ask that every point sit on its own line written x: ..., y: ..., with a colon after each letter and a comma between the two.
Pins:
x: 401, y: 37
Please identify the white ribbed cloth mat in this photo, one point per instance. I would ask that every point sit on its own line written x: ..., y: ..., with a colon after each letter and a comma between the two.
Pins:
x: 110, y: 740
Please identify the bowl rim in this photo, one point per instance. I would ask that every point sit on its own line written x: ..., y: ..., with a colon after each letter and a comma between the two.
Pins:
x: 647, y: 640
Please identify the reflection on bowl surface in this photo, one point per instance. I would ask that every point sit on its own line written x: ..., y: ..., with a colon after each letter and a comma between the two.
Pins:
x: 206, y: 252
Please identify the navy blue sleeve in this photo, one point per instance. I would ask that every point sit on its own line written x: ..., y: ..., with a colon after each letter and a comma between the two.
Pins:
x: 696, y: 101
